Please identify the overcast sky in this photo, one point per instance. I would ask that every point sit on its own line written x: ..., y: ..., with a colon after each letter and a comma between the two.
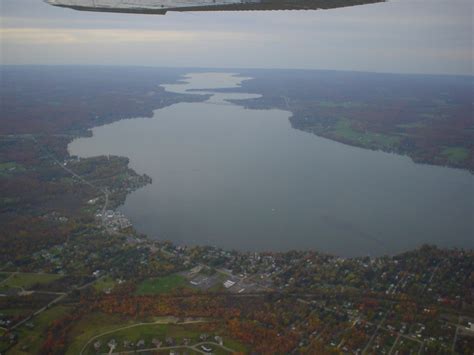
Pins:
x: 414, y: 36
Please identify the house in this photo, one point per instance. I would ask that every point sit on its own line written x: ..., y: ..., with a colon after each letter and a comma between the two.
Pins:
x: 156, y: 342
x: 229, y: 283
x: 112, y: 343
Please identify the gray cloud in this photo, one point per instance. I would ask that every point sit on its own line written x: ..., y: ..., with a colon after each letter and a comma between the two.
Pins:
x: 421, y: 36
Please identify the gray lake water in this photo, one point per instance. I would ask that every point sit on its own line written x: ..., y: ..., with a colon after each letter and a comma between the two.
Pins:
x: 244, y: 179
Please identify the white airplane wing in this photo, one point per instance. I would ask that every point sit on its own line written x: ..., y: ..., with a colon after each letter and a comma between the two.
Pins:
x: 162, y: 6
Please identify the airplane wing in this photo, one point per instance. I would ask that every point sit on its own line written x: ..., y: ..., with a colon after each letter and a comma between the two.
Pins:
x: 160, y: 7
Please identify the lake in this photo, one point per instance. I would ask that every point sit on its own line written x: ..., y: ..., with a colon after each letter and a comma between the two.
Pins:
x: 245, y: 179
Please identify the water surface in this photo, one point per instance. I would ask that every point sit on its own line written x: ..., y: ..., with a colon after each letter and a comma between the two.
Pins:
x: 244, y: 179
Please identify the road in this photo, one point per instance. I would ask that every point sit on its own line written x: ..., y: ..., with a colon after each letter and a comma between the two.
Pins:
x: 453, y: 346
x: 195, y: 347
x: 8, y: 278
x: 367, y: 347
x: 104, y: 191
x: 61, y: 295
x: 31, y: 316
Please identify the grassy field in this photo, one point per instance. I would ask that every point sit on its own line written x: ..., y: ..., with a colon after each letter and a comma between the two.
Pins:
x: 161, y: 285
x: 90, y: 326
x: 95, y: 324
x: 143, y: 332
x: 31, y: 338
x: 341, y: 104
x: 17, y: 312
x: 344, y: 130
x: 148, y: 332
x: 106, y: 283
x: 26, y: 281
x: 417, y: 124
x: 4, y: 343
x: 455, y: 154
x: 32, y: 334
x: 235, y: 345
x: 9, y: 168
x: 179, y: 351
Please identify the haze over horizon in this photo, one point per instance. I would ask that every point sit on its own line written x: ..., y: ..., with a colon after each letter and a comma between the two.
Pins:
x: 400, y: 36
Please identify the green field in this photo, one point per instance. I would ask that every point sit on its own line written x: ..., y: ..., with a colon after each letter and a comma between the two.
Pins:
x: 417, y: 124
x: 120, y: 328
x: 103, y: 284
x: 90, y: 326
x: 4, y: 275
x: 31, y: 337
x: 17, y: 312
x: 143, y: 332
x: 344, y: 130
x: 10, y: 168
x: 148, y: 332
x: 161, y: 285
x: 455, y: 154
x: 179, y: 351
x: 26, y: 281
x: 341, y: 104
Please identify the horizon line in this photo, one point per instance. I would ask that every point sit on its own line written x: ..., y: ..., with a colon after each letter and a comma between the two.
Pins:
x: 470, y: 75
